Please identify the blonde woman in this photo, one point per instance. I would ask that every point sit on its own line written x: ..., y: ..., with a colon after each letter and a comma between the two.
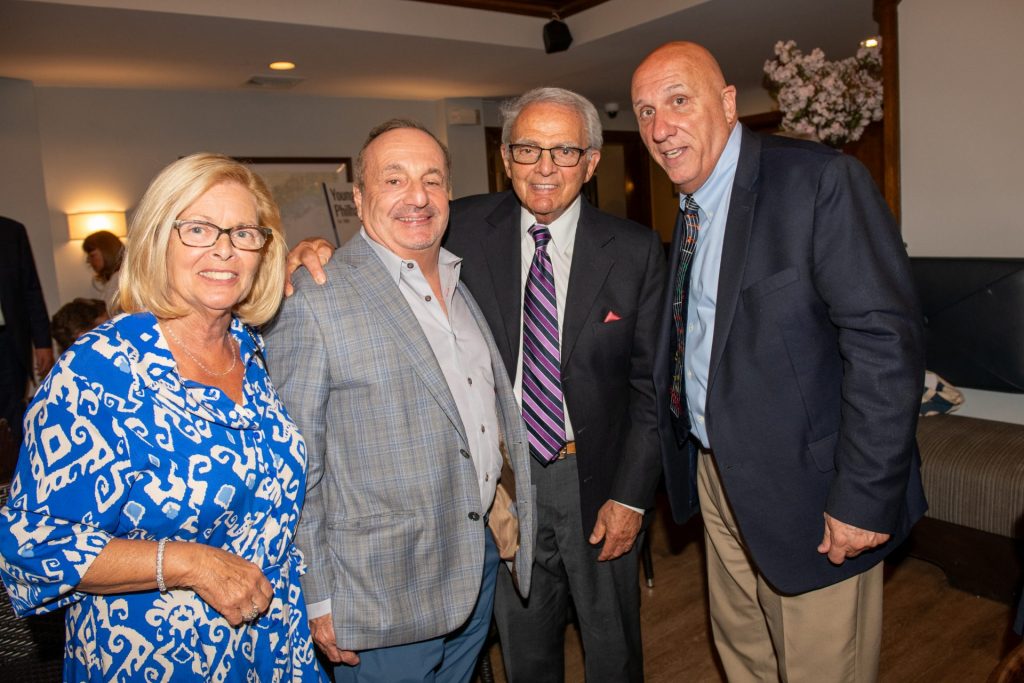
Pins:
x: 161, y: 478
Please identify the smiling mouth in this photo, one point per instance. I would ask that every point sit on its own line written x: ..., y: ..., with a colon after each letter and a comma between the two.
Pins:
x: 544, y: 187
x: 218, y: 275
x: 416, y: 219
x: 674, y: 153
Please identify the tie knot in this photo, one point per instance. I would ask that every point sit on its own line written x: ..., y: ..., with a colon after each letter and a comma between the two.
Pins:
x: 691, y: 205
x: 541, y: 235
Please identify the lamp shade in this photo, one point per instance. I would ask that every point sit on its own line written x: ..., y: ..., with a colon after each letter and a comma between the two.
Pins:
x: 81, y: 225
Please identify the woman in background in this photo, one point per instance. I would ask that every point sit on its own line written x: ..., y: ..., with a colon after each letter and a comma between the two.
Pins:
x: 161, y: 478
x: 103, y: 252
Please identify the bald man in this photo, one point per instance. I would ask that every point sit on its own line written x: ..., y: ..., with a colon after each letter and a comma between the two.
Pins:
x: 788, y: 378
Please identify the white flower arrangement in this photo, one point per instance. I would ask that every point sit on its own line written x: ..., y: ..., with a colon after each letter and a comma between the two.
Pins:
x: 831, y: 101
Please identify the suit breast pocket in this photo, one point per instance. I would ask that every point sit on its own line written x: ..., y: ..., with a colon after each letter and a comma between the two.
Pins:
x: 613, y: 341
x: 753, y: 294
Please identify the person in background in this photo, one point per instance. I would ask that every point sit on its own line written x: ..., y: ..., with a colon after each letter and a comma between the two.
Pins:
x: 75, y: 318
x: 788, y: 372
x: 160, y: 480
x: 25, y: 346
x: 103, y: 252
x: 412, y: 426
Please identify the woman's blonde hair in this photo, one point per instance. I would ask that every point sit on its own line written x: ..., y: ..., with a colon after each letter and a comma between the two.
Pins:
x: 145, y: 283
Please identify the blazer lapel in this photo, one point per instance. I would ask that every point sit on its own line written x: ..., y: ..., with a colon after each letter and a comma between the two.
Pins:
x: 380, y: 293
x: 501, y: 249
x: 592, y: 261
x: 734, y: 249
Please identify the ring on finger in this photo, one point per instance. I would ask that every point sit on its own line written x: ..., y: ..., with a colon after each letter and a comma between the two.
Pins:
x: 253, y: 613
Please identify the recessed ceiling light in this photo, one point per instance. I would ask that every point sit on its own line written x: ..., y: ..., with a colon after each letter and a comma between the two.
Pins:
x: 282, y: 66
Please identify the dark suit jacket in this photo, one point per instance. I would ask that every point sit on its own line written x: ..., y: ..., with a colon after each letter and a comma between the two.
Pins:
x: 27, y: 324
x: 617, y: 266
x: 817, y: 364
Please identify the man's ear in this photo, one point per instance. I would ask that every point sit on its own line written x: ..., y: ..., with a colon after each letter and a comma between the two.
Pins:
x: 593, y: 157
x: 506, y: 158
x: 357, y: 198
x: 729, y: 103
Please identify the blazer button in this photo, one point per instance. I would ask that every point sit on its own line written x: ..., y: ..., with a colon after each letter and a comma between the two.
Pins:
x: 464, y: 452
x: 475, y: 516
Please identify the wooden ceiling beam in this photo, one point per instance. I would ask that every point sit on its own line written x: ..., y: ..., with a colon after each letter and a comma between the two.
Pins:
x: 532, y: 8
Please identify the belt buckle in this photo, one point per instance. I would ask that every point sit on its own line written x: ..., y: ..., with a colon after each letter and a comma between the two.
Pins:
x: 568, y: 449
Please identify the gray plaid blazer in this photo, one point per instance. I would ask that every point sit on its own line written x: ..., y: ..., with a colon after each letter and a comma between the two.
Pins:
x: 392, y: 529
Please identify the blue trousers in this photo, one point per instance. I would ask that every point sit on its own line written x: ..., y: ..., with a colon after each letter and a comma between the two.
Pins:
x: 447, y: 659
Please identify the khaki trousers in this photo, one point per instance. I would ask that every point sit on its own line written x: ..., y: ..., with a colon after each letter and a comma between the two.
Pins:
x: 830, y: 634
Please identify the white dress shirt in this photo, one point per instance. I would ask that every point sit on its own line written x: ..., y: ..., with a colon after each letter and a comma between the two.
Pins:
x: 563, y: 239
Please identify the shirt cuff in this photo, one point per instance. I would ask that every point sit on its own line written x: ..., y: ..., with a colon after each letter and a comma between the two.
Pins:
x: 629, y: 507
x: 315, y: 610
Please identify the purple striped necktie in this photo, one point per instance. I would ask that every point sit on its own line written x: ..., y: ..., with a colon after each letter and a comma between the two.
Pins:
x: 542, y: 375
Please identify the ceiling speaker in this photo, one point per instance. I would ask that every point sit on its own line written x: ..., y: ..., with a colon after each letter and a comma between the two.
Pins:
x: 556, y: 36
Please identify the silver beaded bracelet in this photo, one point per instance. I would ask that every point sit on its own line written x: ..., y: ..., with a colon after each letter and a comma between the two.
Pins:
x: 160, y: 565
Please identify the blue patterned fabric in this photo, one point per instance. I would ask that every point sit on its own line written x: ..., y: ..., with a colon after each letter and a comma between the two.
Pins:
x: 118, y: 445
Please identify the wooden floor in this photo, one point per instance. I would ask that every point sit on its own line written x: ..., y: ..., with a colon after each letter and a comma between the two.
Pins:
x: 932, y: 633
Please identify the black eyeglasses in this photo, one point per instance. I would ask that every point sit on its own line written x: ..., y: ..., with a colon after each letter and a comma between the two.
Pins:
x: 195, y: 233
x: 560, y: 156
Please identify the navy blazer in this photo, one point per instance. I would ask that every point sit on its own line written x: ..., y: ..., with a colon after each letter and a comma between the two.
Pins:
x: 21, y: 296
x: 817, y: 365
x: 618, y: 266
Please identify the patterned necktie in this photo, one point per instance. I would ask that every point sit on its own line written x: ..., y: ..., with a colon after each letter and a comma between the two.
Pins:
x: 542, y: 374
x: 687, y: 245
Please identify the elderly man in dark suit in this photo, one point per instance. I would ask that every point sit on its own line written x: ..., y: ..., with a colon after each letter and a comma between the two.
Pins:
x: 572, y: 296
x: 789, y: 376
x: 596, y: 471
x: 24, y: 323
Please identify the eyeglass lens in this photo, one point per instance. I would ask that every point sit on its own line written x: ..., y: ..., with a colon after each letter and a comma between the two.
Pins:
x: 202, y: 234
x: 561, y: 156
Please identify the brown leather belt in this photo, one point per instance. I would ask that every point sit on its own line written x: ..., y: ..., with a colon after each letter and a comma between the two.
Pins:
x: 567, y: 450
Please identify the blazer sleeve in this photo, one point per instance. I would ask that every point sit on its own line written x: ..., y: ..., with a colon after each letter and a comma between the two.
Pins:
x: 38, y: 318
x: 862, y: 272
x: 640, y: 467
x: 298, y: 363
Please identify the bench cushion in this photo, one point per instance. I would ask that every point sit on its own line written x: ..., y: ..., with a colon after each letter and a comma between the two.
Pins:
x: 973, y: 472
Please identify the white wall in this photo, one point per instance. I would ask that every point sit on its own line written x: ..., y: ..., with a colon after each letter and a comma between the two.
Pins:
x: 961, y: 135
x: 467, y: 146
x: 100, y: 148
x: 22, y: 192
x: 962, y: 141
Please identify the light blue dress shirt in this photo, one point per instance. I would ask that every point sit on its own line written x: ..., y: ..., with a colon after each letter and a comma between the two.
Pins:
x: 713, y: 199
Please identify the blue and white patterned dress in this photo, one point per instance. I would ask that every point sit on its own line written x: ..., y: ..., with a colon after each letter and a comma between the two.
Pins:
x: 118, y: 445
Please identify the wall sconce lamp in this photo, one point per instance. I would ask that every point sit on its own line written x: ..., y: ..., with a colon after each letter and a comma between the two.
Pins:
x: 81, y: 225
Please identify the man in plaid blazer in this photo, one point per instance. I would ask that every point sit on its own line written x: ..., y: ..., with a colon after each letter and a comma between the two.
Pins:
x: 399, y: 391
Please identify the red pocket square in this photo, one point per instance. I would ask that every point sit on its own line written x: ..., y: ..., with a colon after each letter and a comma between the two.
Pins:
x: 612, y: 317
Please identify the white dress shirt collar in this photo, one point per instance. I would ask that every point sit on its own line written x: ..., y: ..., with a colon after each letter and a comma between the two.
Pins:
x: 562, y: 229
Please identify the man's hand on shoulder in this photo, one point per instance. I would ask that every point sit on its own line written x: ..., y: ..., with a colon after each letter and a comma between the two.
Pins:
x: 618, y: 526
x: 323, y: 635
x: 842, y: 540
x: 313, y: 254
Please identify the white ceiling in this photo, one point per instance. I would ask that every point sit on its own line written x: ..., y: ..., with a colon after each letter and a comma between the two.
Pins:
x: 397, y: 48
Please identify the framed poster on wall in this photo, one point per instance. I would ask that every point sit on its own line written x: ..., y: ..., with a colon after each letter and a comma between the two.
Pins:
x: 314, y: 194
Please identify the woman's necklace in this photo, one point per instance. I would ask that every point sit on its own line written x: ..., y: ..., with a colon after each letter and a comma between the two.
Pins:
x: 208, y: 371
